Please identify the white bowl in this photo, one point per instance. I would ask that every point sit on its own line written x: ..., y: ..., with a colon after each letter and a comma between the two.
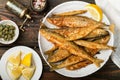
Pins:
x: 9, y: 22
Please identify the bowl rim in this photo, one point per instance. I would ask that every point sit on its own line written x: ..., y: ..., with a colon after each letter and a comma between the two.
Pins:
x: 16, y: 31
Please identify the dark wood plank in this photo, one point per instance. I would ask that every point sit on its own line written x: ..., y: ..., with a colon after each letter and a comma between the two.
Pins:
x: 30, y: 38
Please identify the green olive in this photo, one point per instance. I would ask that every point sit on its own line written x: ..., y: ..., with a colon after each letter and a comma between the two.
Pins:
x: 7, y: 32
x: 9, y: 36
x: 1, y: 28
x: 0, y: 34
x: 6, y: 28
x: 11, y: 32
x: 11, y: 28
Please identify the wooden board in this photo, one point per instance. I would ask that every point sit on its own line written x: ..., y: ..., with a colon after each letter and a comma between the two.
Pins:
x: 30, y: 38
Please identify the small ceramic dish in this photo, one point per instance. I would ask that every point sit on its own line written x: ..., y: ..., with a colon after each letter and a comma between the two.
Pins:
x: 38, y: 5
x: 9, y: 22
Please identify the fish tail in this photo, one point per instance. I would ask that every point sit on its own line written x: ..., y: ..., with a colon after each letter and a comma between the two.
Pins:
x: 113, y: 48
x: 48, y: 19
x: 97, y: 62
x: 53, y: 67
x: 112, y: 28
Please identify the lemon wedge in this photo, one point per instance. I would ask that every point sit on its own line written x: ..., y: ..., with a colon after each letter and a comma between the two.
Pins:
x: 95, y: 11
x: 15, y: 59
x: 28, y: 72
x: 27, y: 60
x: 15, y: 71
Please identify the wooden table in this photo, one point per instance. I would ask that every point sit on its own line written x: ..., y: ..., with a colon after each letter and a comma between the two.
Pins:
x: 30, y: 38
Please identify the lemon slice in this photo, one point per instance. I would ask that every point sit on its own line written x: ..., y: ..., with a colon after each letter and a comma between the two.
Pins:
x: 28, y: 72
x: 15, y: 71
x: 15, y: 59
x: 95, y: 11
x: 27, y: 60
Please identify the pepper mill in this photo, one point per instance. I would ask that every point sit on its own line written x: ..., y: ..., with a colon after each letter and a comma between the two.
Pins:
x: 18, y: 9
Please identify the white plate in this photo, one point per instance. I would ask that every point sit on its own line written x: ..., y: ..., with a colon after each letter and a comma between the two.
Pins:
x: 25, y: 50
x: 45, y: 45
x: 9, y: 22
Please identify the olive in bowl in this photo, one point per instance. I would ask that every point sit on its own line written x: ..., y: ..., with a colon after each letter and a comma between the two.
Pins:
x: 38, y: 5
x: 9, y: 32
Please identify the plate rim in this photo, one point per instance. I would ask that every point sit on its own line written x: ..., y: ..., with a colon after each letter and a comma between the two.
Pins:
x: 33, y: 52
x: 39, y: 36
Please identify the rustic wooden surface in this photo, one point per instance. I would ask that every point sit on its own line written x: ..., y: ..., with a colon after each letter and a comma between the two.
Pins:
x: 30, y: 37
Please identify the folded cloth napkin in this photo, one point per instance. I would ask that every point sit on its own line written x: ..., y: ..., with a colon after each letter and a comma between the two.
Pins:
x: 114, y: 16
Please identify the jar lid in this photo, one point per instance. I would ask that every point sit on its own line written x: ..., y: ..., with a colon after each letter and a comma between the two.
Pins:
x: 38, y: 5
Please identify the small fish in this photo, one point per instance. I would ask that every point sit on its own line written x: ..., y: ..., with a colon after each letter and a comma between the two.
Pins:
x: 70, y: 13
x: 79, y: 65
x: 73, y: 59
x: 97, y: 33
x: 84, y: 63
x: 69, y: 61
x: 77, y: 33
x: 76, y: 59
x: 94, y: 45
x: 73, y: 21
x: 59, y: 55
x: 103, y: 40
x: 69, y: 46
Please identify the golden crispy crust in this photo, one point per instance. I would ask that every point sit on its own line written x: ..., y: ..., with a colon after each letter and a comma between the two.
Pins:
x: 93, y: 45
x: 79, y: 65
x: 73, y: 21
x: 71, y: 13
x: 59, y: 55
x: 75, y: 33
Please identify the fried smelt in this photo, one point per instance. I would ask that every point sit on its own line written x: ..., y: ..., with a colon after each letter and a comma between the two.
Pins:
x: 59, y: 55
x: 75, y: 59
x: 94, y: 45
x: 69, y: 46
x: 73, y: 21
x: 75, y: 33
x: 79, y: 65
x: 71, y: 13
x: 103, y: 40
x: 97, y: 33
x: 69, y: 61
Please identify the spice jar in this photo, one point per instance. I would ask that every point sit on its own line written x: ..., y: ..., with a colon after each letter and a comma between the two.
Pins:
x: 38, y: 5
x: 17, y: 9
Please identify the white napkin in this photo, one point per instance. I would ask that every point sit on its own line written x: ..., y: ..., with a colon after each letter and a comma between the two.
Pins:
x: 114, y: 17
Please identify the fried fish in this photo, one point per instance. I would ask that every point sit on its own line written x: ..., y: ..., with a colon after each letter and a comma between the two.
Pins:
x: 94, y: 45
x: 69, y: 46
x: 59, y: 55
x: 71, y: 13
x: 103, y: 40
x: 77, y: 33
x: 97, y: 33
x: 70, y: 61
x: 73, y: 21
x: 79, y: 65
x: 84, y: 63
